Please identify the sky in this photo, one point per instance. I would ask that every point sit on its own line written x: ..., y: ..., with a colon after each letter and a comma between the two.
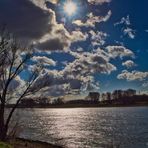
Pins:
x: 84, y: 45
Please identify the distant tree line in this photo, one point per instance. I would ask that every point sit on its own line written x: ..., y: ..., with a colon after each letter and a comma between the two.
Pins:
x: 118, y: 94
x: 117, y: 97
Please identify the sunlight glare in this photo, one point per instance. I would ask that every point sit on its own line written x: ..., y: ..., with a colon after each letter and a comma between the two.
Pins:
x: 70, y: 8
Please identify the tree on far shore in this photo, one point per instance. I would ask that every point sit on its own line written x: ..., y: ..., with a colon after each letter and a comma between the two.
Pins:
x: 94, y: 97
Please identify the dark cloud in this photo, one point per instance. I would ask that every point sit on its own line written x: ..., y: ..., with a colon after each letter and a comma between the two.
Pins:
x: 32, y: 21
x: 52, y: 44
x: 24, y: 19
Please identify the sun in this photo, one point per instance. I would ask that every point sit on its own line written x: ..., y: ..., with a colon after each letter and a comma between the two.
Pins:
x: 70, y: 7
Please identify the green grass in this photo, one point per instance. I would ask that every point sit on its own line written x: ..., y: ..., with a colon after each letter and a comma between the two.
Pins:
x: 5, y: 145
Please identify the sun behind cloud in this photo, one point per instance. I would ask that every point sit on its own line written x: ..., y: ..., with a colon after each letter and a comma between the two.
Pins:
x: 70, y: 7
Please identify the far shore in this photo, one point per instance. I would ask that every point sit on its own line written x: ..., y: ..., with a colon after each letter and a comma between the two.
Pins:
x: 124, y: 101
x: 84, y: 105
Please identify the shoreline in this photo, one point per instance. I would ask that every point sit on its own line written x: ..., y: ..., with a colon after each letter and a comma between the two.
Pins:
x: 83, y: 106
x: 28, y: 143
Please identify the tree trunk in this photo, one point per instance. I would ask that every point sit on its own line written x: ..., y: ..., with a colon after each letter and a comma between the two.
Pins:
x: 3, y: 130
x: 3, y: 134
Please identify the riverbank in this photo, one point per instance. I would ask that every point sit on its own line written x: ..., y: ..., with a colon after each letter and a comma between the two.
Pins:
x: 25, y: 143
x: 142, y: 104
x: 133, y: 101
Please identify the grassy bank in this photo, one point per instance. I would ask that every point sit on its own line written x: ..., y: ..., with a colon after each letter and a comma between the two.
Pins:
x: 25, y: 143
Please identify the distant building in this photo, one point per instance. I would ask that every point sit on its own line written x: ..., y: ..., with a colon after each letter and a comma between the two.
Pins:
x: 117, y: 94
x: 130, y: 92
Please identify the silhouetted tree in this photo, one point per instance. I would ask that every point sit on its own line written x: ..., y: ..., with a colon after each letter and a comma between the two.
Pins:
x: 12, y: 64
x: 103, y: 96
x: 117, y: 94
x: 94, y: 96
x: 59, y: 100
x: 108, y: 97
x: 130, y: 92
x: 27, y: 102
x: 43, y: 101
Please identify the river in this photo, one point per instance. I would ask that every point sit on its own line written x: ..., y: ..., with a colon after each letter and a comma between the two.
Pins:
x: 123, y: 127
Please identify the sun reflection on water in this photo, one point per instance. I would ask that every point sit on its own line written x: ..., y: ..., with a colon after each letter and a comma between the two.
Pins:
x: 88, y: 128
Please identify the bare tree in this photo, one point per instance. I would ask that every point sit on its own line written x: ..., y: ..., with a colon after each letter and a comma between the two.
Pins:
x: 12, y: 64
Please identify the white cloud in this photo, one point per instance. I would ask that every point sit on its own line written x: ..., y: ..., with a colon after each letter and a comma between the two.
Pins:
x: 77, y: 75
x: 98, y: 38
x: 42, y: 3
x: 79, y: 49
x: 124, y: 20
x: 99, y: 2
x: 119, y: 51
x: 132, y: 76
x: 129, y: 32
x: 90, y: 63
x: 145, y: 84
x: 44, y: 60
x: 127, y: 29
x: 39, y: 3
x: 129, y: 64
x: 58, y: 38
x: 53, y: 1
x: 54, y: 83
x: 92, y: 20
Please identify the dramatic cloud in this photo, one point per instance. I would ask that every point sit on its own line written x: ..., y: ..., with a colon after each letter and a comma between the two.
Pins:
x: 129, y: 64
x: 39, y: 3
x: 59, y: 38
x: 54, y: 91
x: 57, y: 82
x: 78, y: 75
x: 37, y: 25
x: 42, y: 3
x: 99, y: 2
x: 92, y: 20
x: 77, y: 45
x: 90, y: 63
x: 132, y: 76
x: 24, y: 19
x: 119, y: 51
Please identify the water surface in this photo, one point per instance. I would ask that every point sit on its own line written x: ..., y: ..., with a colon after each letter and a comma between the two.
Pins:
x: 125, y: 127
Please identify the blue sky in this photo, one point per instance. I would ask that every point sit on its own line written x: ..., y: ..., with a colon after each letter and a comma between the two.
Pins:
x: 101, y: 46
